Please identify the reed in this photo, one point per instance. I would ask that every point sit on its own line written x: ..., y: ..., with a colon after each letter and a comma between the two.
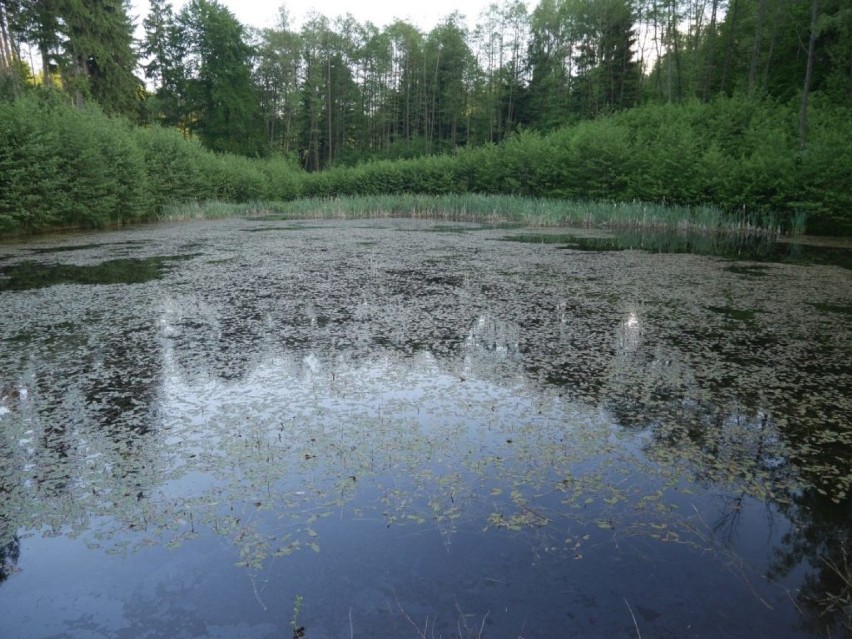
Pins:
x: 486, y: 209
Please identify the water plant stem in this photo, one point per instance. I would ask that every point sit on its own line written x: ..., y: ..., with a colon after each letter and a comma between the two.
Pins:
x: 635, y: 624
x: 487, y: 209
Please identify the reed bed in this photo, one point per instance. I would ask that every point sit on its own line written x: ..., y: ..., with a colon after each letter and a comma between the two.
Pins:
x: 488, y: 209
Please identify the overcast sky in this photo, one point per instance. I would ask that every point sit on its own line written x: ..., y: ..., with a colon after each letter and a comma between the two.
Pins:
x: 264, y: 13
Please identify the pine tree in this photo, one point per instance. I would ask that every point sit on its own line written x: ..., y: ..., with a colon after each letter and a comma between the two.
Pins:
x: 219, y: 89
x: 7, y: 46
x: 164, y: 49
x: 99, y: 51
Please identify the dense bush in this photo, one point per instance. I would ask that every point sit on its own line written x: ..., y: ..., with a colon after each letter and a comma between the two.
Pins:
x: 823, y: 173
x: 64, y: 167
x: 29, y: 168
x: 739, y: 154
x: 175, y: 167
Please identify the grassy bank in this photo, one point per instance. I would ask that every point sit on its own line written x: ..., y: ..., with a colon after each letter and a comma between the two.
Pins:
x: 488, y: 209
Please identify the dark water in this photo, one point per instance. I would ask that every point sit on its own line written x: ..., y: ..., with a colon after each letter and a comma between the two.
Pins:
x: 368, y: 430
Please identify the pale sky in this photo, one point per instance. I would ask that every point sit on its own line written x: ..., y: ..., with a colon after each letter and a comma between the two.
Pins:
x: 424, y: 14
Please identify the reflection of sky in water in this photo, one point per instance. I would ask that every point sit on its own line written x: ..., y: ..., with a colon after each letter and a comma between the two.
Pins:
x: 435, y: 455
x: 630, y: 333
x: 407, y: 435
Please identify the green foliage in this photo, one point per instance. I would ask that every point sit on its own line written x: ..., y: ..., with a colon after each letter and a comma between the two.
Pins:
x: 24, y: 144
x: 337, y: 92
x: 86, y: 45
x: 219, y: 91
x: 283, y: 178
x: 175, y: 166
x: 823, y: 173
x: 103, y: 59
x: 63, y: 167
x: 164, y: 48
x: 738, y: 154
x: 236, y: 179
x: 102, y: 171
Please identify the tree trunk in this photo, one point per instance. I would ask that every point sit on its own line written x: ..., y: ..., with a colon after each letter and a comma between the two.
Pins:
x: 676, y: 55
x: 6, y: 56
x: 729, y: 46
x: 772, y: 40
x: 711, y: 51
x: 45, y: 65
x: 434, y: 100
x: 329, y: 140
x: 657, y: 36
x: 81, y: 72
x: 755, y: 50
x: 668, y: 70
x: 803, y: 109
x: 408, y: 74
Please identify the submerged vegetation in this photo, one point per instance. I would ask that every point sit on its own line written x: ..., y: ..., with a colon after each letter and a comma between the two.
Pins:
x: 29, y: 275
x: 321, y: 408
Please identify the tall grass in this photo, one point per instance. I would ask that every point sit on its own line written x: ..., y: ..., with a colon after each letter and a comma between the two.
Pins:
x: 484, y: 209
x: 209, y: 210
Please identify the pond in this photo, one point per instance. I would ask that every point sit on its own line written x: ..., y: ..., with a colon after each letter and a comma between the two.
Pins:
x: 398, y: 428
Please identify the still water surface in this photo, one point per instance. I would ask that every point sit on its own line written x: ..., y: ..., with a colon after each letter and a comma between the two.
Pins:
x: 395, y: 428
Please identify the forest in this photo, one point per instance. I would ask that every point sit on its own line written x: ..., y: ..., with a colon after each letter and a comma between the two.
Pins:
x: 742, y: 105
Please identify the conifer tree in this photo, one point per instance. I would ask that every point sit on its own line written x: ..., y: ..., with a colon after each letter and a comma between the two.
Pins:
x: 99, y: 50
x: 164, y: 48
x: 219, y: 88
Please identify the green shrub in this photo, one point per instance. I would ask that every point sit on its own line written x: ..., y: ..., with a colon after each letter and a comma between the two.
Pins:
x: 64, y: 167
x: 29, y: 168
x: 283, y: 178
x: 175, y: 167
x: 60, y: 166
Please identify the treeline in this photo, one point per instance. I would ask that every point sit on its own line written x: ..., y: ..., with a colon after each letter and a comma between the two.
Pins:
x: 734, y: 153
x: 339, y: 91
x: 742, y: 104
x: 65, y: 167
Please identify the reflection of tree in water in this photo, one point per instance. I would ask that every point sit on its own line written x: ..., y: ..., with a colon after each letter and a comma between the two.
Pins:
x: 731, y: 432
x: 712, y: 384
x: 10, y: 546
x: 10, y: 552
x: 120, y: 380
x: 711, y: 387
x: 77, y: 442
x: 822, y: 540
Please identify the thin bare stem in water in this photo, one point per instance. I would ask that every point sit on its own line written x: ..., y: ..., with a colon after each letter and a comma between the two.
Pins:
x: 793, y: 601
x: 839, y: 601
x: 420, y: 633
x: 462, y: 621
x: 638, y: 634
x: 482, y: 625
x: 257, y: 593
